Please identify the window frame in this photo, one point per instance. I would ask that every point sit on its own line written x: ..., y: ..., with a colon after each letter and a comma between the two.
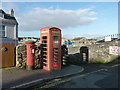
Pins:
x: 2, y: 31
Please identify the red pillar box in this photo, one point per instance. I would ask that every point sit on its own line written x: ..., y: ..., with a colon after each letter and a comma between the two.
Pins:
x: 30, y: 53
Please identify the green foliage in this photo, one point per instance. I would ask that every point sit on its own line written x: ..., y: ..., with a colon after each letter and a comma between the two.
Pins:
x: 106, y: 61
x: 65, y: 60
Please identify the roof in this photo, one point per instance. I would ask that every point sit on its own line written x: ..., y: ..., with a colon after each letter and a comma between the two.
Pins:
x: 8, y: 18
x: 9, y: 21
x: 1, y: 11
x: 49, y: 28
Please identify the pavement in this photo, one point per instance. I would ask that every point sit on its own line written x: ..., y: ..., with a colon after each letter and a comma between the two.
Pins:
x: 18, y: 78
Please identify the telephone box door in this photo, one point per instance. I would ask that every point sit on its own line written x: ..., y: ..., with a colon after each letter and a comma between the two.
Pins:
x: 51, y: 48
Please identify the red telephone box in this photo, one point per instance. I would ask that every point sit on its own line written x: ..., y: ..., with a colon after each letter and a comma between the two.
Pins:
x: 50, y: 38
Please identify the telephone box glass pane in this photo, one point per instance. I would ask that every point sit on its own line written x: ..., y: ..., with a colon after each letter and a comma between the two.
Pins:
x: 44, y: 53
x: 56, y: 41
x: 55, y: 48
x: 55, y: 37
x: 44, y: 64
x: 44, y: 57
x: 44, y: 60
x: 44, y: 45
x: 44, y: 37
x: 44, y: 41
x: 44, y: 49
x: 56, y: 45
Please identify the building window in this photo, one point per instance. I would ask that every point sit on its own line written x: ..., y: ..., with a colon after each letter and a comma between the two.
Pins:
x: 2, y: 31
x: 1, y: 15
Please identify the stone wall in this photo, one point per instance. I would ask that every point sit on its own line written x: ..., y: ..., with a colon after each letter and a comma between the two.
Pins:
x: 21, y: 56
x: 98, y: 52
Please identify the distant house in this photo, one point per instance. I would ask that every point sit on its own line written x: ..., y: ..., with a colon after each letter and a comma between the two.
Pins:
x: 8, y: 27
x: 22, y: 39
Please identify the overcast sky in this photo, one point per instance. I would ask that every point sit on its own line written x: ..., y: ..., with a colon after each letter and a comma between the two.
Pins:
x: 75, y: 19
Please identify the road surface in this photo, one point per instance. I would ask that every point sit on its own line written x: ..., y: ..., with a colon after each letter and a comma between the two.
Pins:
x: 94, y: 76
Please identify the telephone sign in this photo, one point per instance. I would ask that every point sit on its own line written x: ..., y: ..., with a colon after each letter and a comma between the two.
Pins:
x: 55, y: 31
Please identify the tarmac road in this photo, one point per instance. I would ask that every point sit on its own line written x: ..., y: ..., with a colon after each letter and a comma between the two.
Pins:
x: 94, y: 76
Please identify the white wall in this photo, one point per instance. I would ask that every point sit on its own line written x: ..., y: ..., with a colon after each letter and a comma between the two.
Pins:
x: 10, y: 31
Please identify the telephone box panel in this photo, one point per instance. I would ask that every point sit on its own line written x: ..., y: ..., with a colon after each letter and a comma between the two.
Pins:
x: 51, y: 48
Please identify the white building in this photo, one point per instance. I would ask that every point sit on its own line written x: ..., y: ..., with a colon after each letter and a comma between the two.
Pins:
x: 8, y: 27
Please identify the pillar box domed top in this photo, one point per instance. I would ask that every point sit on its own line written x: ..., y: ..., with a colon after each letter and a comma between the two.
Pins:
x: 30, y: 42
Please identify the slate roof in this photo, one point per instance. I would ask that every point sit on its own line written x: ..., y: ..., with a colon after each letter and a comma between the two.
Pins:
x: 8, y: 18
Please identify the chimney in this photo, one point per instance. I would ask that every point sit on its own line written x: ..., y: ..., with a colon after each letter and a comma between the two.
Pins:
x: 11, y: 12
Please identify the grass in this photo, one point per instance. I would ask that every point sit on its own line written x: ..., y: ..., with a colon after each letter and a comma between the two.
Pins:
x: 106, y: 61
x: 8, y: 68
